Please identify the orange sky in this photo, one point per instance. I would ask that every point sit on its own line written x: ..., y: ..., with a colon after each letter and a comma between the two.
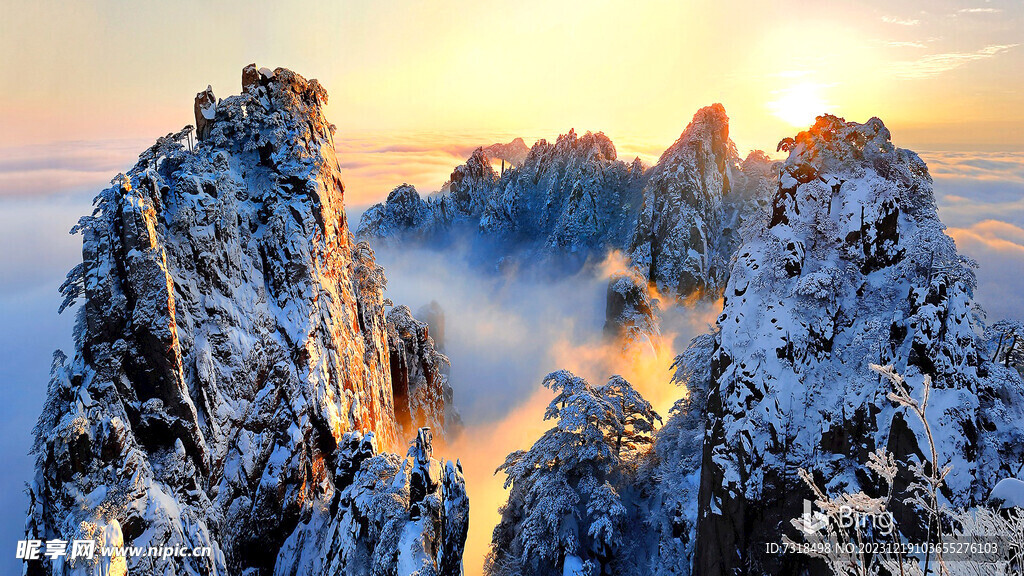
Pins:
x: 942, y: 72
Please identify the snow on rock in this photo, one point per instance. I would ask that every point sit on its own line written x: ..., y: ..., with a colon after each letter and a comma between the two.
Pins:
x: 574, y: 199
x: 403, y: 215
x: 232, y: 374
x: 419, y: 376
x: 206, y: 110
x: 629, y: 313
x: 849, y: 266
x: 678, y: 239
x: 1008, y: 493
x: 573, y: 566
x: 564, y: 201
x: 393, y: 516
x: 695, y: 200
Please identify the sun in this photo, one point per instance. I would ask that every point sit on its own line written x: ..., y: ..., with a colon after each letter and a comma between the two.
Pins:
x: 799, y: 105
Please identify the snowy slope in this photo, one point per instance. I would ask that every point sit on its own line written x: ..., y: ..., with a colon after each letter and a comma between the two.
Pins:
x: 849, y: 266
x: 232, y: 379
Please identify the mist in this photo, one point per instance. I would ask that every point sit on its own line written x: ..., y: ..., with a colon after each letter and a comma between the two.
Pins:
x: 37, y: 252
x: 503, y: 333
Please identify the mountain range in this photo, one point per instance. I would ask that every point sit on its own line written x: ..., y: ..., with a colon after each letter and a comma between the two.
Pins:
x: 240, y: 382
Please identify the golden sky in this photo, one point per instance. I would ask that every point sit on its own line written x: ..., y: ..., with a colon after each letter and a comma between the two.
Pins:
x: 943, y: 73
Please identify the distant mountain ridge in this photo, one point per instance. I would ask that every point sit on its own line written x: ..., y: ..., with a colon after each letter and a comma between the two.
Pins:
x: 574, y: 200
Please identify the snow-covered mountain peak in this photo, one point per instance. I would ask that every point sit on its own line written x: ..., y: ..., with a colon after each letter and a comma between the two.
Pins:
x: 574, y: 200
x: 687, y: 225
x: 848, y: 267
x: 233, y: 378
x: 709, y: 126
x: 591, y: 144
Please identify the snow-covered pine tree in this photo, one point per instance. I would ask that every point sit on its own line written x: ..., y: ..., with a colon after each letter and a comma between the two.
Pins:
x: 635, y: 415
x: 1006, y: 342
x: 571, y: 501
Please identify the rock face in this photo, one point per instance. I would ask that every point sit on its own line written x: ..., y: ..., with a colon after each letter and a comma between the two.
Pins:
x: 695, y: 199
x: 406, y: 217
x: 850, y: 266
x: 573, y: 199
x: 629, y: 313
x: 232, y: 379
x: 680, y: 241
x: 206, y: 111
x: 419, y: 376
x: 566, y: 201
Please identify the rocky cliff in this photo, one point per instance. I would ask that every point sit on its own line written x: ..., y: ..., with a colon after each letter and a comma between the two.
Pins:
x: 695, y: 200
x: 849, y: 266
x: 630, y: 317
x: 236, y: 383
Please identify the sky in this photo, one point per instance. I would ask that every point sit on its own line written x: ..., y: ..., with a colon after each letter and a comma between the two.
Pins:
x: 415, y: 86
x: 944, y: 74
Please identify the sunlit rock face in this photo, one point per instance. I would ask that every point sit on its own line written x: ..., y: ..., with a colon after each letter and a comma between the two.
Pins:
x: 232, y: 384
x: 694, y: 201
x: 419, y: 376
x: 848, y: 266
x: 630, y: 313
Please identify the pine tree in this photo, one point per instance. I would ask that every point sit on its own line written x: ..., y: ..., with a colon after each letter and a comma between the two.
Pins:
x: 634, y: 414
x: 566, y: 498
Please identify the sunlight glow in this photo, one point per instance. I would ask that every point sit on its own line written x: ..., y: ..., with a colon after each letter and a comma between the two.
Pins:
x: 799, y: 105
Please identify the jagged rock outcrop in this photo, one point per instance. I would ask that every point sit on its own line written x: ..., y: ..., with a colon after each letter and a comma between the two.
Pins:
x: 850, y: 266
x: 205, y: 111
x: 574, y: 199
x: 403, y: 215
x: 570, y: 198
x: 514, y: 152
x: 419, y: 376
x: 231, y: 381
x: 406, y: 217
x: 469, y: 188
x: 567, y: 200
x: 691, y: 209
x: 432, y: 314
x: 394, y: 516
x: 630, y: 313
